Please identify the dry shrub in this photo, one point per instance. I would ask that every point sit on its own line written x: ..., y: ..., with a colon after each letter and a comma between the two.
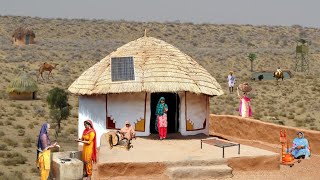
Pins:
x: 300, y: 123
x: 8, y: 123
x: 18, y: 112
x: 30, y: 126
x: 21, y: 132
x: 3, y: 147
x: 10, y: 142
x: 72, y: 130
x: 13, y: 159
x: 2, y: 134
x: 39, y: 111
x: 18, y: 126
x: 291, y: 116
x: 34, y: 170
x: 12, y: 119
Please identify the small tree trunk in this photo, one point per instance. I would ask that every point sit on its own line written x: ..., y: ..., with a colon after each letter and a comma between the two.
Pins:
x: 251, y: 66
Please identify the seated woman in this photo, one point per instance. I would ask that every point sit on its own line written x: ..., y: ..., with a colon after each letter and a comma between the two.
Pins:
x: 127, y: 132
x: 300, y: 147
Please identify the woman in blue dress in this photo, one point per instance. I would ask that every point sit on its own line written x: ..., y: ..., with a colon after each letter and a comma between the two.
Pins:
x: 300, y: 147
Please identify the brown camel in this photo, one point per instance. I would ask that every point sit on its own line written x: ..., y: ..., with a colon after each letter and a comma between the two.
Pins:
x: 46, y: 67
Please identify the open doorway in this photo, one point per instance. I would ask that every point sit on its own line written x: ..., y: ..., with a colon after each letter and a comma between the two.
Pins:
x: 173, y: 102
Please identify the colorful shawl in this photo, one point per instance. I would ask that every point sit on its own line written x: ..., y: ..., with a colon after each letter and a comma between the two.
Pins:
x: 240, y: 106
x: 40, y: 145
x: 87, y: 131
x: 159, y: 111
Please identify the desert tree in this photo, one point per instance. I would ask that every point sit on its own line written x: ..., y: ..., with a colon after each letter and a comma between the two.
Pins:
x: 252, y: 57
x: 59, y: 107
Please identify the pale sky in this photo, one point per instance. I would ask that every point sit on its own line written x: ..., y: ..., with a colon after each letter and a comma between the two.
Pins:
x: 255, y: 12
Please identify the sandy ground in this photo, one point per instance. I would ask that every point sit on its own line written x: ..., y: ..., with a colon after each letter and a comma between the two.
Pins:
x: 306, y: 170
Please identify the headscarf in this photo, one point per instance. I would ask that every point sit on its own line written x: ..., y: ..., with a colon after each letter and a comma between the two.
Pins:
x: 87, y: 131
x: 300, y: 141
x: 43, y: 131
x: 159, y: 111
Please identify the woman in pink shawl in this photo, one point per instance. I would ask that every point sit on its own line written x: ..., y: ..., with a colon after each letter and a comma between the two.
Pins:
x: 244, y: 107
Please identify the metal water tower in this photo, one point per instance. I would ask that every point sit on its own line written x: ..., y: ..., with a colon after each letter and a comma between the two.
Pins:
x: 302, y: 55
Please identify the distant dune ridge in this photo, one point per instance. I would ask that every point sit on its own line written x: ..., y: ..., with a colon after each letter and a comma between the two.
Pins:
x: 78, y: 44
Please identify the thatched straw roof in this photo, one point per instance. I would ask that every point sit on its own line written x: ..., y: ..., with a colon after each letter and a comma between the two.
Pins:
x: 22, y: 83
x: 21, y: 32
x: 158, y: 67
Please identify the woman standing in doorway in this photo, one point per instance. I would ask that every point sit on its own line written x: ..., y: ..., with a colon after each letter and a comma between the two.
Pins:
x: 161, y: 121
x: 89, y: 152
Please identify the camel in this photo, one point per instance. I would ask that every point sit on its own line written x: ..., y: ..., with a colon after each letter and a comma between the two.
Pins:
x: 278, y: 75
x: 46, y: 67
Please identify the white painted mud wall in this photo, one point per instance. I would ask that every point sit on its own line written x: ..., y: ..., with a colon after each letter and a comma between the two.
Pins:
x: 129, y: 106
x: 197, y: 111
x: 93, y: 108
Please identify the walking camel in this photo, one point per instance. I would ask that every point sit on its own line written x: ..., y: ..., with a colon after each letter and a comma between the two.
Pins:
x: 46, y: 67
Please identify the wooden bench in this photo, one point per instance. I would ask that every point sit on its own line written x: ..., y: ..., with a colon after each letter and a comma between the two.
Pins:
x: 220, y: 143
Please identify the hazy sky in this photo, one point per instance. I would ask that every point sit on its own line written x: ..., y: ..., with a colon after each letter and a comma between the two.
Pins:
x: 256, y: 12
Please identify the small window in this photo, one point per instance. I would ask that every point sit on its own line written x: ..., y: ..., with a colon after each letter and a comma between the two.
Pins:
x: 122, y: 69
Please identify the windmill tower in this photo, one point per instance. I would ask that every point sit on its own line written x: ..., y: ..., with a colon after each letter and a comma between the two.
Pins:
x: 302, y: 56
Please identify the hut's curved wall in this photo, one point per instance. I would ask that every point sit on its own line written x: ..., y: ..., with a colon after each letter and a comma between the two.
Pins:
x: 93, y: 108
x: 109, y: 112
x: 21, y: 96
x: 133, y: 107
x: 194, y: 113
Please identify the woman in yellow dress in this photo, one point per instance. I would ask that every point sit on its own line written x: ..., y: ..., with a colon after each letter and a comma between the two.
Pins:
x: 44, y: 152
x: 89, y: 152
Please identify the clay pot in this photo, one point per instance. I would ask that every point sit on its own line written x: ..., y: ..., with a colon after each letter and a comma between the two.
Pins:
x: 244, y: 87
x: 288, y: 158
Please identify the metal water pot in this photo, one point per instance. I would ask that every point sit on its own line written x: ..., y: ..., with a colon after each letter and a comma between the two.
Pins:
x: 73, y: 154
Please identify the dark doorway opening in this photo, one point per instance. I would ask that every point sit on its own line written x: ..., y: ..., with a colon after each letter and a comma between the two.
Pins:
x: 173, y: 102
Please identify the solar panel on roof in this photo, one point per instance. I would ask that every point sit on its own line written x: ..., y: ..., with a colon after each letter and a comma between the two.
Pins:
x: 122, y: 69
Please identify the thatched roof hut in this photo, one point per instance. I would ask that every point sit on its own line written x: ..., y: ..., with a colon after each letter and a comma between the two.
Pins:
x: 23, y: 35
x: 127, y: 84
x: 23, y: 87
x: 158, y: 67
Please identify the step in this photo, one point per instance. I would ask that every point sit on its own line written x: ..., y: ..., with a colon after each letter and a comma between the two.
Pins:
x: 190, y: 162
x: 193, y: 172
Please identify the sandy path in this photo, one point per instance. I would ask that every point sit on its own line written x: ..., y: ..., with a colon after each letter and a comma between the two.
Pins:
x: 306, y: 170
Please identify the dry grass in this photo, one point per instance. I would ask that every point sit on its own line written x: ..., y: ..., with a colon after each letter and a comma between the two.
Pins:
x: 78, y: 44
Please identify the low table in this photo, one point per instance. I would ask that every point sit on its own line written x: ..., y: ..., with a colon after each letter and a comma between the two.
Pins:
x: 220, y: 143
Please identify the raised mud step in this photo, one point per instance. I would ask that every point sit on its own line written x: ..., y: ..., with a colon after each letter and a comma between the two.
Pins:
x: 193, y: 172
